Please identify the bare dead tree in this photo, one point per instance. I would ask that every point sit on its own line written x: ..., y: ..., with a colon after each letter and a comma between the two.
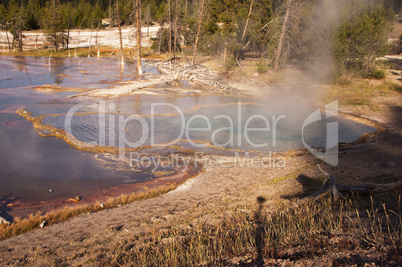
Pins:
x: 281, y: 38
x: 175, y: 28
x: 138, y: 10
x: 68, y: 32
x: 160, y: 40
x: 121, y: 40
x: 170, y: 34
x: 185, y: 11
x: 148, y: 17
x: 10, y: 49
x: 248, y: 18
x: 36, y: 40
x: 198, y: 31
x: 96, y: 41
x: 110, y: 14
x: 90, y: 39
x: 225, y: 50
x: 78, y: 37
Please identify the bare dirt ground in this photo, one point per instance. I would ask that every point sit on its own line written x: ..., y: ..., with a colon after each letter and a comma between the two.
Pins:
x: 87, y: 238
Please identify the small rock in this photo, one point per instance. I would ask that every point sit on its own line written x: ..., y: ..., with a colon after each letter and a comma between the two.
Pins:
x: 102, y: 205
x: 168, y: 217
x: 390, y: 164
x: 117, y: 228
x: 255, y: 74
x: 44, y: 222
x: 4, y: 221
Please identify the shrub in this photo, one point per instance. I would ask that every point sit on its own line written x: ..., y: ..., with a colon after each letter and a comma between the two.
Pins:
x: 262, y: 67
x: 378, y: 74
x: 230, y: 62
x: 154, y: 46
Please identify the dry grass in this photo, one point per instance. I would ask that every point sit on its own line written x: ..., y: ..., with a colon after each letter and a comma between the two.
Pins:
x: 19, y: 226
x: 104, y: 51
x: 298, y: 232
x: 353, y: 91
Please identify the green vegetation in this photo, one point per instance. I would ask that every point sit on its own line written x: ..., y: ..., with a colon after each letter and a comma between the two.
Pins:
x: 53, y: 24
x: 262, y: 67
x: 362, y: 39
x: 349, y: 33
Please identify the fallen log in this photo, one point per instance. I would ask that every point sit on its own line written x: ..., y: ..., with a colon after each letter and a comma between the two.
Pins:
x: 177, y: 71
x: 332, y: 189
x: 126, y: 88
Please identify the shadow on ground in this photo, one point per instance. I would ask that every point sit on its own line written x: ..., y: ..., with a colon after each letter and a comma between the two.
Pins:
x: 5, y: 209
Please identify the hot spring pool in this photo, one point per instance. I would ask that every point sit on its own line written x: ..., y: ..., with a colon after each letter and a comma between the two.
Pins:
x: 156, y: 125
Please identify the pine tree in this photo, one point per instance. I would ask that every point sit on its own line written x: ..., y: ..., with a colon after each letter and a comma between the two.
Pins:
x: 16, y: 20
x: 363, y: 39
x: 32, y: 15
x: 53, y: 23
x: 4, y: 23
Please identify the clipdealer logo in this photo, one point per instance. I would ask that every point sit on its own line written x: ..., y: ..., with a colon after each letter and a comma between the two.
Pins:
x: 330, y: 155
x: 117, y: 124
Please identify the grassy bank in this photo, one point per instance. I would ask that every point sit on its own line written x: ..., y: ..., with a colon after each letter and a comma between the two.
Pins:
x: 358, y: 91
x: 19, y: 226
x: 249, y: 237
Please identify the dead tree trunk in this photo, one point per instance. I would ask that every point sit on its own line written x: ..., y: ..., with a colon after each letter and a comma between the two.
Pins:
x: 20, y: 42
x: 148, y: 18
x: 121, y: 40
x: 185, y: 11
x: 68, y: 33
x: 8, y: 41
x: 12, y: 44
x: 90, y: 39
x: 198, y: 31
x: 36, y: 40
x: 248, y: 18
x: 110, y: 14
x: 281, y: 38
x: 138, y: 9
x: 224, y: 55
x: 170, y: 36
x: 175, y: 28
x: 160, y: 40
x: 96, y: 41
x: 78, y: 37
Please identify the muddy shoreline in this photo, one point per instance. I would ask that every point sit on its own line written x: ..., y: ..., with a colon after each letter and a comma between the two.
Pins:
x: 27, y: 207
